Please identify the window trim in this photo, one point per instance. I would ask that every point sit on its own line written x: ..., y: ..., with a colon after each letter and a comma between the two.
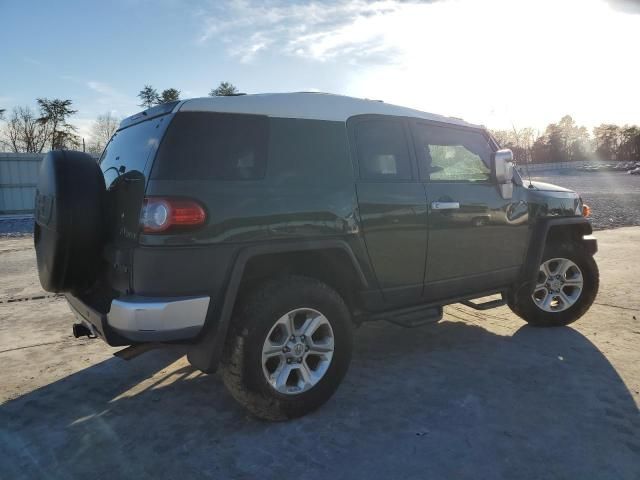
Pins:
x: 420, y: 159
x: 356, y: 120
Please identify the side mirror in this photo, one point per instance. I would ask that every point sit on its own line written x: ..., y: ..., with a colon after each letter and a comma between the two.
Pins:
x: 503, y: 171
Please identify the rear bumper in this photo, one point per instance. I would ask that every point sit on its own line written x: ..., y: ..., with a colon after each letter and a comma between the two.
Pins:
x: 137, y: 319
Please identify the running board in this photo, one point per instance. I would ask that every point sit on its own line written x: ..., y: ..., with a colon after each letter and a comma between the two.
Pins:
x: 411, y: 317
x: 484, y: 306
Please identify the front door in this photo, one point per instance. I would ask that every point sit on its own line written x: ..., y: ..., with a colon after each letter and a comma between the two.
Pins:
x: 477, y: 239
x: 392, y: 205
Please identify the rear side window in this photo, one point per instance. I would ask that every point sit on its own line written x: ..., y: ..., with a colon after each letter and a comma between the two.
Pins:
x: 382, y: 150
x: 129, y: 149
x: 213, y: 146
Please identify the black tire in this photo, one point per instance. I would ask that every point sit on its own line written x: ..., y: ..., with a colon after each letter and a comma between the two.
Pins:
x: 242, y: 360
x: 68, y: 230
x: 523, y: 305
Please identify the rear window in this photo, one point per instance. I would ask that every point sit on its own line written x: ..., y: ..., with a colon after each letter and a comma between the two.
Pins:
x: 129, y: 149
x: 213, y: 146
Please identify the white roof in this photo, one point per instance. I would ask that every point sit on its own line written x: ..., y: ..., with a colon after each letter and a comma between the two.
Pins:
x: 307, y: 105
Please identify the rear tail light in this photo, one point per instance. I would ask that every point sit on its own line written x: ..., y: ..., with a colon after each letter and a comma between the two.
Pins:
x: 163, y: 214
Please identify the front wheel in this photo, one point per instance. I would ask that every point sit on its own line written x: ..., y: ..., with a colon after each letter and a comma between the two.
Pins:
x: 290, y: 349
x: 566, y: 286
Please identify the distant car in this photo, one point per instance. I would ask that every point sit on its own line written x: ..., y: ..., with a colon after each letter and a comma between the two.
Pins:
x: 635, y: 171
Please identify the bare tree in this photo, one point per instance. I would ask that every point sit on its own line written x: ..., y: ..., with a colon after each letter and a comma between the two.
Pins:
x: 24, y: 133
x: 101, y: 132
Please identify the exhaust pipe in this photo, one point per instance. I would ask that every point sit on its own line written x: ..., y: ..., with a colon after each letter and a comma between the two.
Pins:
x: 81, y: 330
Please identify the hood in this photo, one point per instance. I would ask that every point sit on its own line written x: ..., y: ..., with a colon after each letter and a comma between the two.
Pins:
x: 547, y: 187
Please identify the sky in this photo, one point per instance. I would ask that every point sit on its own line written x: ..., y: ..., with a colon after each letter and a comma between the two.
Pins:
x: 501, y: 63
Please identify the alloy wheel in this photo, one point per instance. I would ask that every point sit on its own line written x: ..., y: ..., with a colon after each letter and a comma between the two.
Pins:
x: 558, y: 286
x: 297, y: 351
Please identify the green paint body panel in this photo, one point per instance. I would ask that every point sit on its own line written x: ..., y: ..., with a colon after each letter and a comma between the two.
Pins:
x: 408, y: 252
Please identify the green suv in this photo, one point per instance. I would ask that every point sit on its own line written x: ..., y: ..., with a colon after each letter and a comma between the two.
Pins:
x: 258, y: 230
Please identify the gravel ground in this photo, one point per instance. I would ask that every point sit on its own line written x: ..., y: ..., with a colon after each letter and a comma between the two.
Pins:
x: 614, y: 197
x: 476, y: 396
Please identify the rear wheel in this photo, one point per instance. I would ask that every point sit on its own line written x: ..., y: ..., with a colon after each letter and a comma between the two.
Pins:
x: 566, y: 286
x: 290, y: 349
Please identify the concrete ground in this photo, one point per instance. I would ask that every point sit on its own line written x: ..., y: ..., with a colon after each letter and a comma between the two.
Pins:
x: 478, y: 396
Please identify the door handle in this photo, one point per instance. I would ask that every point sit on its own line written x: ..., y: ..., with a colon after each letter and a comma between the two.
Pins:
x: 445, y: 205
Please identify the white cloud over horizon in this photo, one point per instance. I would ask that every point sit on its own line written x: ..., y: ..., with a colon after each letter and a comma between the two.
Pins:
x: 497, y: 61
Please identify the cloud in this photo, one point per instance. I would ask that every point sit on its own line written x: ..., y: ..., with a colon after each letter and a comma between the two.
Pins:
x: 353, y: 30
x: 102, y: 88
x: 116, y: 101
x: 626, y: 6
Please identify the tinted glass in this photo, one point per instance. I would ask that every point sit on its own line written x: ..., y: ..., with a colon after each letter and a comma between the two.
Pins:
x: 308, y: 151
x: 453, y: 154
x: 130, y: 148
x: 382, y: 150
x: 213, y: 146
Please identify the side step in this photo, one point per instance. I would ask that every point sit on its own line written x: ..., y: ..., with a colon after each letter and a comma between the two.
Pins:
x: 485, y: 305
x: 410, y: 317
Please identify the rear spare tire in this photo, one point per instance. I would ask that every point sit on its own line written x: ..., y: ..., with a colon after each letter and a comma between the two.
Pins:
x: 68, y: 231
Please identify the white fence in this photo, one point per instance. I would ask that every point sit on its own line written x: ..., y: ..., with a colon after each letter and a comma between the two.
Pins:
x: 18, y: 179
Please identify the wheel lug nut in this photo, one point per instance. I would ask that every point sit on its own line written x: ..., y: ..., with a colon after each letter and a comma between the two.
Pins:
x: 302, y: 337
x: 306, y: 349
x: 288, y: 360
x: 299, y: 359
x: 285, y: 349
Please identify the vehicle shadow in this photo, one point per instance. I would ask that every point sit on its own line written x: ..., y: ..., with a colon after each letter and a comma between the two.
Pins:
x: 447, y: 401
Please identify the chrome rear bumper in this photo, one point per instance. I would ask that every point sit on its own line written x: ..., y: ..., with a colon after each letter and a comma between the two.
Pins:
x: 148, y: 319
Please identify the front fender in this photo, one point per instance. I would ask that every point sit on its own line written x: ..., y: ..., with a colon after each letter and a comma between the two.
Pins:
x: 549, y: 230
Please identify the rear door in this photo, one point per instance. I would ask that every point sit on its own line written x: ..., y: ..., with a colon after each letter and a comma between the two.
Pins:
x: 476, y: 238
x: 392, y: 205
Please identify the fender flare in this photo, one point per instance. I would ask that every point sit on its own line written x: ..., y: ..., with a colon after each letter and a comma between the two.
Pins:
x: 581, y: 230
x: 206, y: 352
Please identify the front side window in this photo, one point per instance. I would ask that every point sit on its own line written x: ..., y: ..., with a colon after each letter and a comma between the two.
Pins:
x: 453, y: 154
x: 382, y: 150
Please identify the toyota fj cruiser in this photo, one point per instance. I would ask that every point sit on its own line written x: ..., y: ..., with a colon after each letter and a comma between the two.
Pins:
x: 259, y: 229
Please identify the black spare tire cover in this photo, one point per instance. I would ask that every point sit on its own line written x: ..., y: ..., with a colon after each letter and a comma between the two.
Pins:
x: 68, y: 232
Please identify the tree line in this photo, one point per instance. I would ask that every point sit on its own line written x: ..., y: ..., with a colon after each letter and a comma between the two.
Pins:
x: 49, y: 127
x: 149, y: 96
x: 565, y: 141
